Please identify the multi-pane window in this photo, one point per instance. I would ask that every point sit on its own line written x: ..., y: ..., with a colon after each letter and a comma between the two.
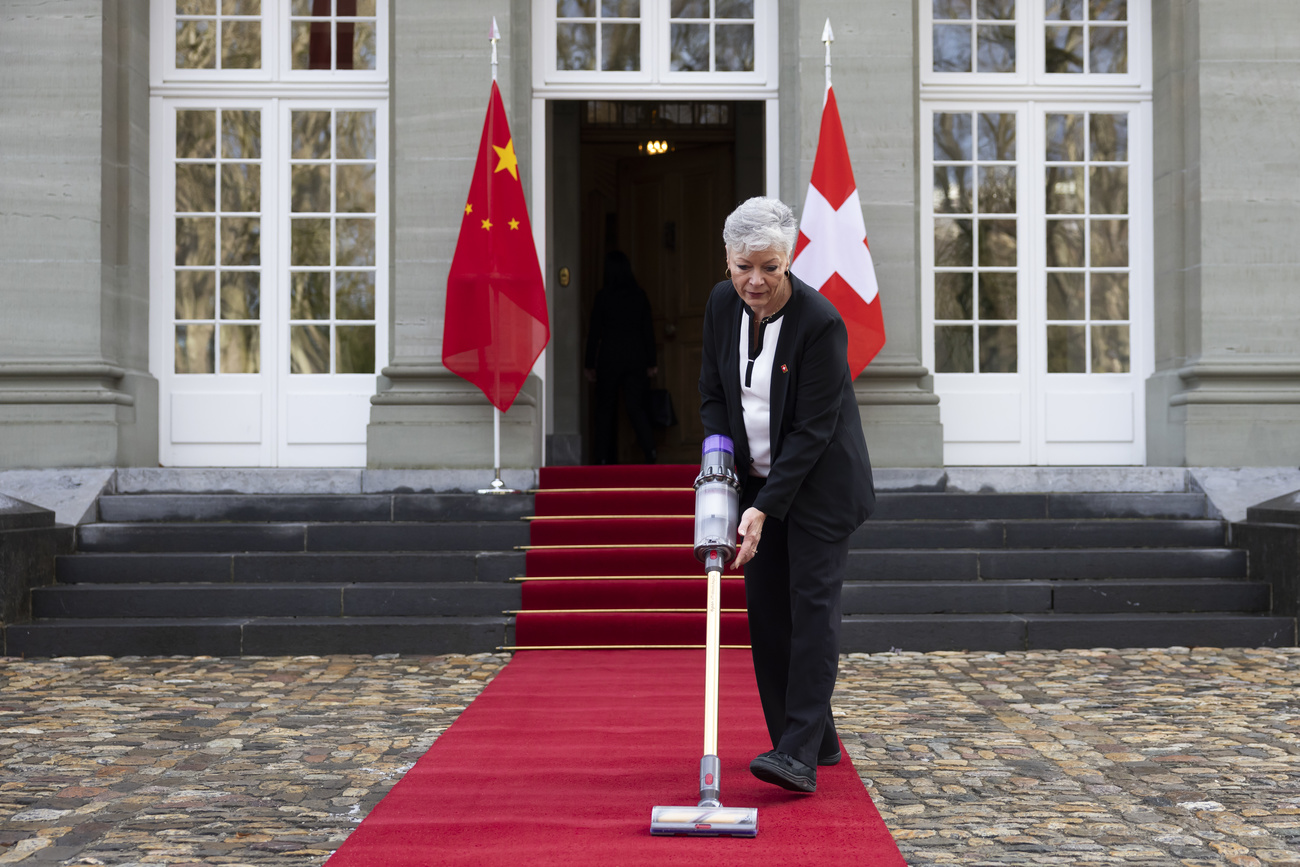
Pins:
x: 626, y: 42
x: 1086, y: 36
x: 1087, y: 197
x: 598, y: 35
x: 975, y: 242
x: 218, y: 34
x: 332, y: 242
x: 711, y: 35
x: 218, y: 248
x: 333, y: 34
x: 974, y: 35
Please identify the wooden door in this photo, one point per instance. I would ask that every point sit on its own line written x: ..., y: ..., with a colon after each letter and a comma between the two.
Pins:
x: 671, y: 209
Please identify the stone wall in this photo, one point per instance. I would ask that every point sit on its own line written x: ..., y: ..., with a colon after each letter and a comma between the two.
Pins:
x: 74, y: 128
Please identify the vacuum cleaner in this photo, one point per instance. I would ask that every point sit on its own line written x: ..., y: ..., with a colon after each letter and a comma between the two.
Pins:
x: 717, y: 516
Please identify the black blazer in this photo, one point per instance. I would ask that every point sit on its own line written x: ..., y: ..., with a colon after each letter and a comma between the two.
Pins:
x: 820, y: 474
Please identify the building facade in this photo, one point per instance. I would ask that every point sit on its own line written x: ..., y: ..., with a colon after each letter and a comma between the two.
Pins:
x: 227, y: 224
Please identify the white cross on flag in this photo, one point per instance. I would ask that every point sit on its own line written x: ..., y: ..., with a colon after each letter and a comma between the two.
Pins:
x: 832, y: 254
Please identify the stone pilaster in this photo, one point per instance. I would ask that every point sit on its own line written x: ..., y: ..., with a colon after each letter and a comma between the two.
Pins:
x: 1226, y: 391
x: 423, y: 415
x: 874, y: 73
x: 74, y: 126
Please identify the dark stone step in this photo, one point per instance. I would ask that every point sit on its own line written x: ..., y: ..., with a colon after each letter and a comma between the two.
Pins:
x: 1041, y: 533
x: 1043, y: 565
x: 1027, y: 597
x: 1125, y: 505
x: 1167, y: 596
x: 1055, y: 632
x: 259, y: 636
x: 1112, y: 563
x: 275, y: 600
x: 867, y: 633
x: 272, y: 568
x: 945, y: 597
x: 297, y: 508
x: 994, y: 506
x: 308, y: 508
x: 205, y: 538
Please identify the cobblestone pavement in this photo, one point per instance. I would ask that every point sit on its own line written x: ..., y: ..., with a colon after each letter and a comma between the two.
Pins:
x: 1152, y: 757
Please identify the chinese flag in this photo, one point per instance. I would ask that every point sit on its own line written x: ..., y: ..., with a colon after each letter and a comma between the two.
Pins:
x: 495, y: 324
x: 832, y: 254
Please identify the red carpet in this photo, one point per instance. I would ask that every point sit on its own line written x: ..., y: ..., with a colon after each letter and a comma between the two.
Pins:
x: 562, y: 757
x: 611, y: 564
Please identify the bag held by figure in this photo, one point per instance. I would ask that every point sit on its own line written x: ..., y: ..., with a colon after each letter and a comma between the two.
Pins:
x: 661, y: 408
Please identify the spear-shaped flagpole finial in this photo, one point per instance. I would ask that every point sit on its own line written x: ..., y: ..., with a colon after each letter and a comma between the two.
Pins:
x: 495, y: 36
x: 828, y: 36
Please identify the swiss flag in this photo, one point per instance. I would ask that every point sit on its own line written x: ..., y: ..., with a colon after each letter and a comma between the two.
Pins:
x: 832, y: 254
x: 495, y: 324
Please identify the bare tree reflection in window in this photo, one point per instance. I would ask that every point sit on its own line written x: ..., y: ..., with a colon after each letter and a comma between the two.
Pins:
x: 997, y: 136
x: 1064, y: 49
x: 575, y: 45
x: 195, y: 350
x: 620, y: 47
x: 952, y: 136
x: 196, y: 44
x: 995, y: 48
x: 1110, y: 349
x: 309, y: 348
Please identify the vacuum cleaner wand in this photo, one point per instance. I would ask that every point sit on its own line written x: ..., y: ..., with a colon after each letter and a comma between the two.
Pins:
x: 717, y: 517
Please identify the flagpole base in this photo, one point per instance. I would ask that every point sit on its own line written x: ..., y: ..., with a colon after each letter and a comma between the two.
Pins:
x: 498, y: 487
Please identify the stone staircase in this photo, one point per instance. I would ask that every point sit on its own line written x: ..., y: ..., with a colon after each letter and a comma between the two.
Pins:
x: 235, y: 574
x: 293, y: 574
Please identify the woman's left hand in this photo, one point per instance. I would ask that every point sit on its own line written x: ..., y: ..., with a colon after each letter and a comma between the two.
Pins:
x: 751, y: 528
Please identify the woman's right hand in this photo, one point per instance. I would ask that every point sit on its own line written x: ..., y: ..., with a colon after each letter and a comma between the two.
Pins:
x: 750, y: 529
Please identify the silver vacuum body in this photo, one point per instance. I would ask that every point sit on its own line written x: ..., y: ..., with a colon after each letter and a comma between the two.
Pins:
x: 717, y: 517
x: 717, y: 503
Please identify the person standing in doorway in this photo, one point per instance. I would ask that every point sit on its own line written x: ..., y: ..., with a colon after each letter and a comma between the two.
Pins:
x: 621, y: 358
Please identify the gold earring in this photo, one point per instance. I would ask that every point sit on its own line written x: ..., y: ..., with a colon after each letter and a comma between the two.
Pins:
x: 728, y: 272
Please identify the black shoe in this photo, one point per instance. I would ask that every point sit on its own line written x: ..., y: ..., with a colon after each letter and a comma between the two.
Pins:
x: 832, y: 759
x: 784, y: 771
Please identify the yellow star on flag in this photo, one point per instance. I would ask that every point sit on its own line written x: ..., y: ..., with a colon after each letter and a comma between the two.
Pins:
x: 469, y: 209
x: 514, y: 224
x: 487, y: 224
x: 508, y: 161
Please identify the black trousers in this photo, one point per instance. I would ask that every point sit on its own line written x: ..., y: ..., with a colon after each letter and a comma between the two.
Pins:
x: 635, y: 386
x: 792, y: 591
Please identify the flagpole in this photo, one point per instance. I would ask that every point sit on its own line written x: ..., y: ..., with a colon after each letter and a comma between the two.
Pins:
x: 498, y: 486
x: 828, y: 36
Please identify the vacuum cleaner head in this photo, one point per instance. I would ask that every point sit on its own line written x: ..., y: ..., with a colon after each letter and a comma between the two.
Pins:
x: 705, y: 821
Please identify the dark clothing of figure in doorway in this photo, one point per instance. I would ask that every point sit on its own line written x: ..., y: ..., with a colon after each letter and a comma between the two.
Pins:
x: 621, y: 358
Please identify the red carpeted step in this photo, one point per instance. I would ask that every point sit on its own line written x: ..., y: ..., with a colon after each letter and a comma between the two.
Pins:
x: 651, y: 562
x: 673, y: 501
x: 628, y: 593
x: 614, y: 531
x: 618, y: 629
x: 620, y: 476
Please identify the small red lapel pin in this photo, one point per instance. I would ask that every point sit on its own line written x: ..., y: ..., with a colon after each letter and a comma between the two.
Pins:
x: 785, y: 369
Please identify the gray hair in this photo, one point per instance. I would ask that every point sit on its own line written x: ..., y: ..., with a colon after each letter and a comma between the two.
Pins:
x: 758, y: 224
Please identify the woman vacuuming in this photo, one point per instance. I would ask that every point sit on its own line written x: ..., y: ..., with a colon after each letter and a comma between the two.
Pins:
x: 775, y: 378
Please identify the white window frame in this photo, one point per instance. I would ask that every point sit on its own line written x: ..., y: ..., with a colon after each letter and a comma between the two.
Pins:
x: 655, y: 61
x: 1030, y: 21
x: 286, y: 437
x: 1034, y: 95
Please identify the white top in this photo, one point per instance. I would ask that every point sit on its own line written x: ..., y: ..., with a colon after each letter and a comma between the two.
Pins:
x: 756, y: 389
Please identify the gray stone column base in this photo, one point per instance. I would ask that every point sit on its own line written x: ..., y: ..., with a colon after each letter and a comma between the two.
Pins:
x: 56, y: 414
x: 429, y: 418
x: 1225, y: 414
x: 900, y: 414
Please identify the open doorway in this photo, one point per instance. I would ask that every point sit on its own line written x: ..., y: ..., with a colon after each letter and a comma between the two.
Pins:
x: 657, y: 180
